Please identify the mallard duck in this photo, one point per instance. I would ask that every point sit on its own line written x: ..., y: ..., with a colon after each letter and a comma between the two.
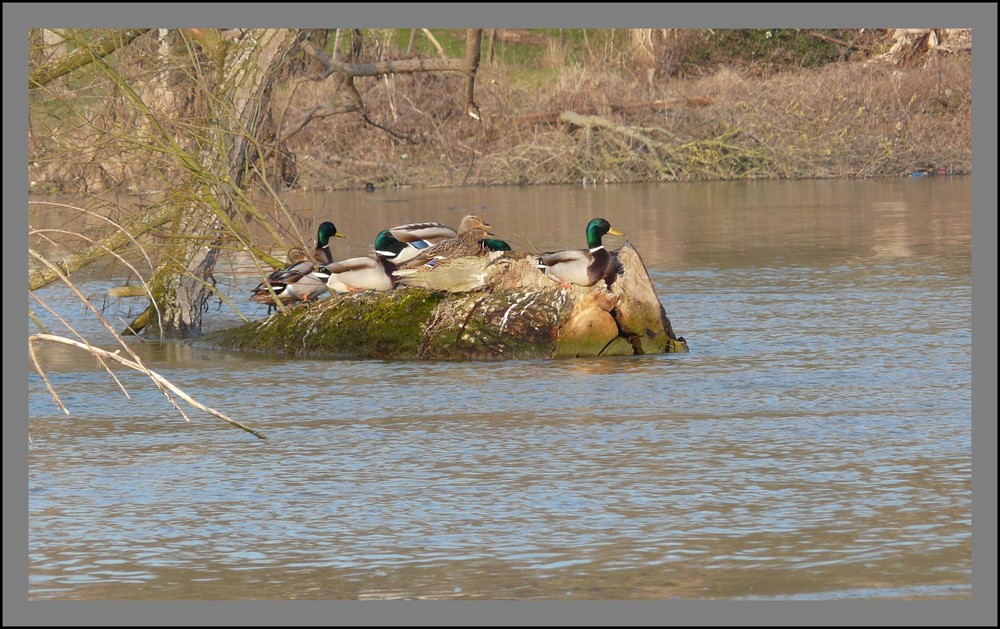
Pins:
x: 419, y: 237
x: 495, y: 244
x: 326, y: 231
x: 457, y: 274
x: 584, y: 267
x: 367, y: 273
x: 472, y: 240
x: 300, y: 280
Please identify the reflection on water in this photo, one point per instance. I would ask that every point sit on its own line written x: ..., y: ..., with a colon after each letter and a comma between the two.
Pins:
x: 815, y: 443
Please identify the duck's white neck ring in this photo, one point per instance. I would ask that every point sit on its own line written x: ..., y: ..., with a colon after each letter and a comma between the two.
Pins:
x: 596, y: 249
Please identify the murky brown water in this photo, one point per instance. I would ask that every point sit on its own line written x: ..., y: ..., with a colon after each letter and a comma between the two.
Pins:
x: 815, y: 443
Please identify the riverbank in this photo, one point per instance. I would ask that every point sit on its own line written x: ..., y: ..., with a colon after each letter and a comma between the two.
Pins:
x: 553, y: 108
x: 841, y: 120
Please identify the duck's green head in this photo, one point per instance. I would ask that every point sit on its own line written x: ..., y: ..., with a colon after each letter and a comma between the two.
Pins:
x: 326, y: 231
x: 387, y: 246
x: 596, y: 229
x: 495, y: 244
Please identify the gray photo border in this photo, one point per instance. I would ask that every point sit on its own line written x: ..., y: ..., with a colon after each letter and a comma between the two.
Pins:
x: 981, y: 610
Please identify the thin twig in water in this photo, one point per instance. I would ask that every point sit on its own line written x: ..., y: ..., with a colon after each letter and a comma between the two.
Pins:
x: 160, y: 380
x: 100, y: 317
x: 82, y: 339
x: 48, y: 385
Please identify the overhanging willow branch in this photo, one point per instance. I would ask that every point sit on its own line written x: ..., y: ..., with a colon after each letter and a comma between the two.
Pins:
x: 80, y: 57
x: 119, y: 237
x: 96, y: 351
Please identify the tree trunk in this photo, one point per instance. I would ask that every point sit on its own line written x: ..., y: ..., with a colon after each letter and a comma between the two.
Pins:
x: 199, y: 120
x: 642, y: 47
x: 183, y: 286
x: 493, y: 42
x: 517, y: 313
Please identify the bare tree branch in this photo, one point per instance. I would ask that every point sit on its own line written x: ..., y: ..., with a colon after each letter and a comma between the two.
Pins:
x: 433, y: 40
x: 469, y: 65
x: 412, y: 45
x: 157, y: 378
x: 119, y: 237
x: 318, y: 112
x: 388, y: 66
x: 395, y: 134
x: 336, y: 43
x: 574, y: 118
x: 82, y: 338
x: 82, y: 56
x: 493, y: 42
x: 840, y: 42
x: 48, y: 385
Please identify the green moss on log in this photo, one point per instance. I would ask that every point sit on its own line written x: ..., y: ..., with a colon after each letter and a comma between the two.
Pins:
x: 372, y: 325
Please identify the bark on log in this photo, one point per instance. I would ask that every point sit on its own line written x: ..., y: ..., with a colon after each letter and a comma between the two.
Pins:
x: 519, y: 313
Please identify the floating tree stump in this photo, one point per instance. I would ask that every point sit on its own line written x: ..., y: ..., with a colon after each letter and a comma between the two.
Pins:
x: 512, y: 311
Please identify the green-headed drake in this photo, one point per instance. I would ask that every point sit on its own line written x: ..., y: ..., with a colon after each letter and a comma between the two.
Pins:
x: 583, y: 267
x: 326, y: 231
x: 300, y: 280
x: 494, y: 244
x: 367, y: 273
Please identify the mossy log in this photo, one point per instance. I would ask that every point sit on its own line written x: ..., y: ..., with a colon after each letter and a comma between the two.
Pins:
x: 514, y: 312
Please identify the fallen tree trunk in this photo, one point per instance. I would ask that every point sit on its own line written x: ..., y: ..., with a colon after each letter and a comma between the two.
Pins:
x: 516, y: 312
x: 649, y: 106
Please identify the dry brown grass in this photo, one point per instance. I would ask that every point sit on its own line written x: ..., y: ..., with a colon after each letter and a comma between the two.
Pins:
x: 853, y: 120
x: 841, y: 120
